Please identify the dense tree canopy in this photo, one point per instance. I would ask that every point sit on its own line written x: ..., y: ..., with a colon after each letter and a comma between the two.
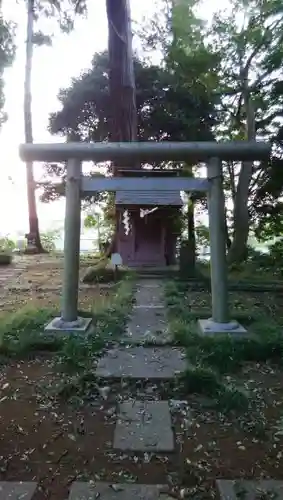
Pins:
x: 246, y: 44
x: 217, y: 81
x: 166, y: 109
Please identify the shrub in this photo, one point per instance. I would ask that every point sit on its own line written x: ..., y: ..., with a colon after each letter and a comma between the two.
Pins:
x: 102, y: 274
x: 6, y: 244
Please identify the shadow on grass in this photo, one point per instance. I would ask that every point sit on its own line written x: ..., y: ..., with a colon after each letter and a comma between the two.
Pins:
x: 22, y: 332
x: 209, y: 358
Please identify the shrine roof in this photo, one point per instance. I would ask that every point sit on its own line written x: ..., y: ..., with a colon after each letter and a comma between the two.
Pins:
x: 149, y: 198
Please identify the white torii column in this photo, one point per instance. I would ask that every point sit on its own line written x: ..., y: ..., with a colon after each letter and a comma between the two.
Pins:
x: 220, y: 321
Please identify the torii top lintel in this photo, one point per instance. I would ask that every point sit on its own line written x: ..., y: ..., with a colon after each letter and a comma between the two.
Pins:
x: 145, y: 151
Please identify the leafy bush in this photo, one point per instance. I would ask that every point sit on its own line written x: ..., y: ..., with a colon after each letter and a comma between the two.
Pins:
x: 48, y: 239
x: 101, y: 274
x: 6, y: 244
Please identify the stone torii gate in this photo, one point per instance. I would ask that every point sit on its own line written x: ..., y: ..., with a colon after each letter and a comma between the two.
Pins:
x: 212, y: 153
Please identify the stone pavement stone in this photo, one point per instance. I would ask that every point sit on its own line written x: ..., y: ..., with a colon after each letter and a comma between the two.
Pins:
x: 144, y: 426
x: 142, y: 363
x: 250, y: 490
x: 148, y: 325
x: 17, y: 490
x: 107, y: 491
x: 146, y: 295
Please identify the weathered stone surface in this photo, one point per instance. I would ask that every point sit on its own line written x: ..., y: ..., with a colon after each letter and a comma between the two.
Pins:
x: 207, y: 327
x: 142, y: 363
x: 148, y: 325
x: 17, y: 490
x: 144, y: 426
x: 107, y: 491
x: 146, y: 295
x: 58, y: 326
x: 148, y: 306
x: 250, y: 490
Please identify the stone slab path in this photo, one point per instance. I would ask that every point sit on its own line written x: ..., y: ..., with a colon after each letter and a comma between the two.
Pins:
x: 142, y: 363
x: 144, y: 426
x: 227, y: 489
x: 148, y: 325
x: 106, y: 491
x: 16, y: 491
x: 268, y: 489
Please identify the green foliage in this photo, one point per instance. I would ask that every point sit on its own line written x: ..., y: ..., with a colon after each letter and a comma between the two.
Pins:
x: 48, y: 239
x: 226, y: 397
x: 79, y: 353
x: 6, y: 247
x: 102, y: 274
x: 90, y: 221
x: 7, y: 243
x: 211, y: 358
x: 64, y: 11
x: 202, y: 235
x: 197, y: 94
x: 166, y: 109
x: 242, y: 47
x: 21, y: 333
x: 103, y: 222
x: 258, y: 265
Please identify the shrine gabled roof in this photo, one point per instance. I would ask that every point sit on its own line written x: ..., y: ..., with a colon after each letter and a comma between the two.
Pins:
x: 149, y: 198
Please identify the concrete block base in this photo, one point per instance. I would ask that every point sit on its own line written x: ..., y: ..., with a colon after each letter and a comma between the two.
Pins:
x: 58, y: 325
x: 208, y: 327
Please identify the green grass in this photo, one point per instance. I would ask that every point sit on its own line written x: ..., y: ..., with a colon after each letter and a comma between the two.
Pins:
x: 210, y: 358
x: 224, y: 397
x: 73, y: 356
x: 259, y: 269
x: 22, y: 333
x: 79, y: 352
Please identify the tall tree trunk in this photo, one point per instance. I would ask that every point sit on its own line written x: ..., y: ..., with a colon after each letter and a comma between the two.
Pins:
x: 123, y: 119
x: 123, y: 126
x: 33, y: 237
x: 238, y: 249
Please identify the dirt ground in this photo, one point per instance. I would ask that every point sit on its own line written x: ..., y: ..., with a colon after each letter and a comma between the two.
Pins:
x: 40, y: 282
x: 43, y: 438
